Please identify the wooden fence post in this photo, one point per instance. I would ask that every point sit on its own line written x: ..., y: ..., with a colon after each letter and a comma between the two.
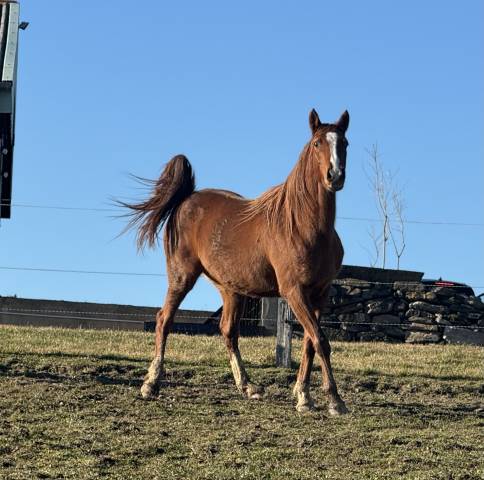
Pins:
x: 285, y: 318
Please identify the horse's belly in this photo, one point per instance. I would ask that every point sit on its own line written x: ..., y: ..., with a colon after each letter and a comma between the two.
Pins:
x: 242, y: 272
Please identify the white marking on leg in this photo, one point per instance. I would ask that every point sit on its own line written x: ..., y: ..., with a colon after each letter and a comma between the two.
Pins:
x: 240, y: 376
x: 155, y: 371
x: 249, y: 390
x: 304, y: 400
x: 152, y: 380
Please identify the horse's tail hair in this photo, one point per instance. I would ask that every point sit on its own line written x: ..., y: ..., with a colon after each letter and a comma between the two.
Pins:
x: 176, y: 183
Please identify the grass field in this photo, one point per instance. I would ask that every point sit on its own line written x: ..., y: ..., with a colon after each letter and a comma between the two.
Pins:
x: 70, y: 408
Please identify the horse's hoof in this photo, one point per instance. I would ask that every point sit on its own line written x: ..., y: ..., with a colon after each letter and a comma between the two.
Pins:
x: 254, y: 392
x: 304, y: 407
x: 336, y: 409
x: 149, y: 391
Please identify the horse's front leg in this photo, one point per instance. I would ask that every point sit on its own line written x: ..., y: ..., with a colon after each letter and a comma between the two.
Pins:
x: 307, y: 318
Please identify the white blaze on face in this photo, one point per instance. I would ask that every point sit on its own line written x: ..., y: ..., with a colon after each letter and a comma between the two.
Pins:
x: 332, y: 139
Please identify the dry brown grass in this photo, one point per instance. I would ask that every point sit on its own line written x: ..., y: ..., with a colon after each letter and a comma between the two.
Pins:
x: 70, y: 408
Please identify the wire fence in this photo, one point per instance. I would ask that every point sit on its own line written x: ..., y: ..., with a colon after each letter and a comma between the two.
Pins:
x: 101, y: 316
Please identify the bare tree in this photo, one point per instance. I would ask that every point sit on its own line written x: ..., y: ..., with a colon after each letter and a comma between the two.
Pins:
x: 398, y: 225
x: 380, y: 182
x: 374, y: 252
x: 390, y: 206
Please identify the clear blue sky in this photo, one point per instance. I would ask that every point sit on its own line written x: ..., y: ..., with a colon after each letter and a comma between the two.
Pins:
x: 111, y: 87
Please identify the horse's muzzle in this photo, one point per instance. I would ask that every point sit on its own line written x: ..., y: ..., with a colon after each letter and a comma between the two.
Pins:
x: 338, y: 182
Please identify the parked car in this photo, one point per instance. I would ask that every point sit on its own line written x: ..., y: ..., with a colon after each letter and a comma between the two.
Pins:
x: 459, y: 287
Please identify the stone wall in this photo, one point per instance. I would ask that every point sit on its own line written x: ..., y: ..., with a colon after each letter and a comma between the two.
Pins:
x: 403, y: 312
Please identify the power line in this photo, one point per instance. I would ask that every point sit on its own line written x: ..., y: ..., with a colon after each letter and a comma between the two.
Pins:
x: 417, y: 222
x: 357, y: 219
x: 351, y: 282
x: 88, y: 272
x: 58, y: 207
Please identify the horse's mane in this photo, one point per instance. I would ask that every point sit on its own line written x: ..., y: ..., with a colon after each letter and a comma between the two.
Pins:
x: 291, y: 203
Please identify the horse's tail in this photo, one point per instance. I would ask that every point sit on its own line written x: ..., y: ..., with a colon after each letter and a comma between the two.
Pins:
x: 176, y: 183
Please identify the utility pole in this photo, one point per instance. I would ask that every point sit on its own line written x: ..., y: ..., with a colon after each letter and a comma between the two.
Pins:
x: 9, y: 27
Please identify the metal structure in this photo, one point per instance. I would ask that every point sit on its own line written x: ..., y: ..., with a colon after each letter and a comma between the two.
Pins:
x: 9, y: 26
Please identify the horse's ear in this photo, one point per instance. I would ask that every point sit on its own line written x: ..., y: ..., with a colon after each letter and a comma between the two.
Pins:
x: 314, y: 121
x: 343, y: 121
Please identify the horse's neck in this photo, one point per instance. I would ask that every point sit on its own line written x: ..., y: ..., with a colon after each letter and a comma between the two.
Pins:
x: 323, y: 217
x: 317, y: 224
x: 313, y: 207
x: 326, y: 213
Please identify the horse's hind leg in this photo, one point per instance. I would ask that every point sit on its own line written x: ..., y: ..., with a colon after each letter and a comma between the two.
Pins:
x: 301, y: 389
x: 179, y: 285
x: 229, y: 327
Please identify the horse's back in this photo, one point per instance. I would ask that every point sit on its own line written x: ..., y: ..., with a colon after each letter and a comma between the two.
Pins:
x: 220, y: 192
x: 208, y: 206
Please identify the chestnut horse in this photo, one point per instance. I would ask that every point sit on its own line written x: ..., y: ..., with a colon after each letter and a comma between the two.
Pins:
x: 281, y: 244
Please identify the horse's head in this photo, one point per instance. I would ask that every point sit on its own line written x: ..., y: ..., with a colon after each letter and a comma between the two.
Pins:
x: 328, y: 147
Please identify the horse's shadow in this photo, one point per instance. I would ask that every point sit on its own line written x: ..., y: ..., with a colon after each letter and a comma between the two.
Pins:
x: 426, y: 411
x: 129, y: 371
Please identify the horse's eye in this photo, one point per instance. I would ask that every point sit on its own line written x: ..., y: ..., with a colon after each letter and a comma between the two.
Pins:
x: 316, y: 143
